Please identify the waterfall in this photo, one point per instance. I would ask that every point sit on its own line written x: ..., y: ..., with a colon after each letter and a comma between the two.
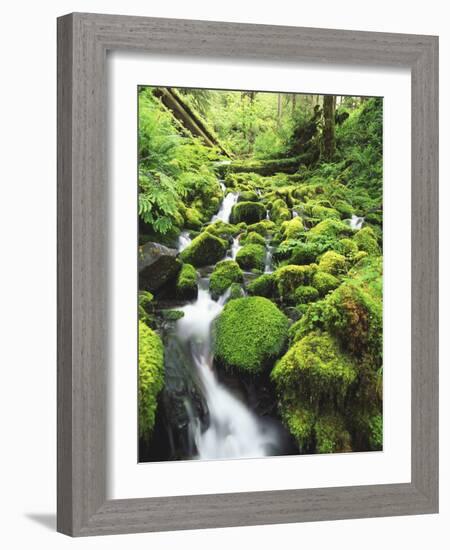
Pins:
x: 235, y: 247
x: 355, y: 222
x: 184, y: 240
x: 233, y: 430
x: 224, y: 212
x: 268, y: 259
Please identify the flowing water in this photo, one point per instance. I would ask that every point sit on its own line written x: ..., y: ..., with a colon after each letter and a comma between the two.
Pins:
x: 184, y: 240
x: 231, y: 430
x: 355, y: 222
x: 234, y: 431
x: 268, y: 259
x: 235, y: 247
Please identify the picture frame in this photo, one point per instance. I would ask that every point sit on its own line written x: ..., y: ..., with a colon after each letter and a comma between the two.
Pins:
x: 83, y: 42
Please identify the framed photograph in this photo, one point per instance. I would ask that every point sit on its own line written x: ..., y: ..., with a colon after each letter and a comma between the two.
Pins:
x: 247, y: 274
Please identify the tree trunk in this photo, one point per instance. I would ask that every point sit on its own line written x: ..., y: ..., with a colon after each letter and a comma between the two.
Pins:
x: 328, y: 136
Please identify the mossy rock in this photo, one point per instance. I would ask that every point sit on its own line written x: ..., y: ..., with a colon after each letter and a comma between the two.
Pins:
x: 248, y: 196
x: 344, y: 208
x: 330, y: 228
x: 292, y: 229
x: 186, y: 287
x: 264, y: 285
x: 290, y: 277
x: 299, y: 420
x: 321, y: 212
x: 253, y: 238
x: 264, y: 227
x: 250, y: 334
x: 224, y: 275
x: 192, y: 218
x: 151, y: 377
x: 146, y: 307
x: 222, y: 229
x: 305, y: 253
x: 347, y: 247
x: 324, y: 282
x: 251, y: 256
x: 248, y: 212
x: 279, y: 211
x: 366, y: 240
x: 306, y: 294
x: 331, y: 434
x: 172, y: 315
x: 314, y: 370
x: 205, y: 249
x: 333, y: 263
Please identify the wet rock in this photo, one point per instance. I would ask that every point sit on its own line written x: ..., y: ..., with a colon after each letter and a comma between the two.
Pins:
x: 158, y: 265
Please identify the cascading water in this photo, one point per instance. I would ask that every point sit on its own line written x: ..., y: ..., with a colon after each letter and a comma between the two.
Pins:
x: 233, y: 430
x: 184, y: 240
x: 268, y: 259
x: 355, y: 222
x: 235, y: 247
x: 228, y: 202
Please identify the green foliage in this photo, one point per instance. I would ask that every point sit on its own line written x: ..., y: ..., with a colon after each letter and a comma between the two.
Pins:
x: 186, y: 286
x: 151, y: 377
x: 366, y: 241
x: 253, y: 238
x: 290, y: 277
x: 205, y: 249
x: 324, y: 282
x: 305, y: 294
x: 251, y: 256
x: 224, y: 275
x: 250, y: 334
x: 145, y: 307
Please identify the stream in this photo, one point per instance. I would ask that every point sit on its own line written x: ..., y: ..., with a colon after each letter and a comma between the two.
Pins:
x: 214, y: 420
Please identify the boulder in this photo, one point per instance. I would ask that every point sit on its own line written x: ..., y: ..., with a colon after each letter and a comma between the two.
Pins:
x: 158, y: 265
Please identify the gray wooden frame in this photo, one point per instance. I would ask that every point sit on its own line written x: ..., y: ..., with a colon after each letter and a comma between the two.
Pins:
x: 83, y: 40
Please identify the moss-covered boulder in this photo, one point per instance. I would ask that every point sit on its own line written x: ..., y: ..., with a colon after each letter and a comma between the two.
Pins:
x: 290, y: 277
x: 146, y: 307
x: 305, y: 253
x: 292, y: 229
x: 248, y: 212
x: 250, y: 334
x: 324, y: 282
x: 224, y: 275
x: 251, y: 256
x: 248, y: 196
x: 253, y: 238
x: 186, y: 287
x: 305, y: 294
x: 366, y: 241
x: 264, y: 227
x: 264, y: 285
x: 279, y: 211
x: 347, y: 247
x: 329, y: 228
x: 205, y: 249
x: 192, y: 218
x: 222, y: 229
x: 333, y: 263
x: 151, y: 377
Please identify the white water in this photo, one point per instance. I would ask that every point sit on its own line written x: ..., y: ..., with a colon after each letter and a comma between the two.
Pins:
x: 224, y: 212
x: 184, y: 240
x: 233, y: 431
x: 355, y: 222
x: 268, y: 259
x: 235, y: 247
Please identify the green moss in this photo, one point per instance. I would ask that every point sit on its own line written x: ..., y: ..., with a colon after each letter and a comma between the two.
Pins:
x: 250, y: 196
x: 320, y: 212
x: 251, y: 256
x: 151, y: 377
x: 330, y: 228
x: 366, y: 240
x: 236, y: 291
x: 279, y: 211
x: 250, y: 334
x: 333, y: 263
x: 172, y: 315
x: 314, y: 370
x: 305, y: 294
x: 248, y: 212
x: 324, y: 282
x: 292, y: 229
x: 192, y: 218
x: 222, y: 229
x: 305, y: 253
x: 186, y: 286
x: 145, y: 307
x: 300, y: 421
x: 289, y: 277
x: 225, y: 273
x: 253, y: 238
x: 347, y: 247
x: 263, y: 285
x: 332, y: 435
x: 206, y: 249
x: 344, y: 208
x: 264, y: 227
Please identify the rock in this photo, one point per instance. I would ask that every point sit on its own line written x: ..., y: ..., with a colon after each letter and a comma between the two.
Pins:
x: 224, y: 275
x: 250, y: 334
x: 251, y: 256
x: 248, y: 212
x: 187, y: 288
x: 158, y: 265
x: 205, y: 249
